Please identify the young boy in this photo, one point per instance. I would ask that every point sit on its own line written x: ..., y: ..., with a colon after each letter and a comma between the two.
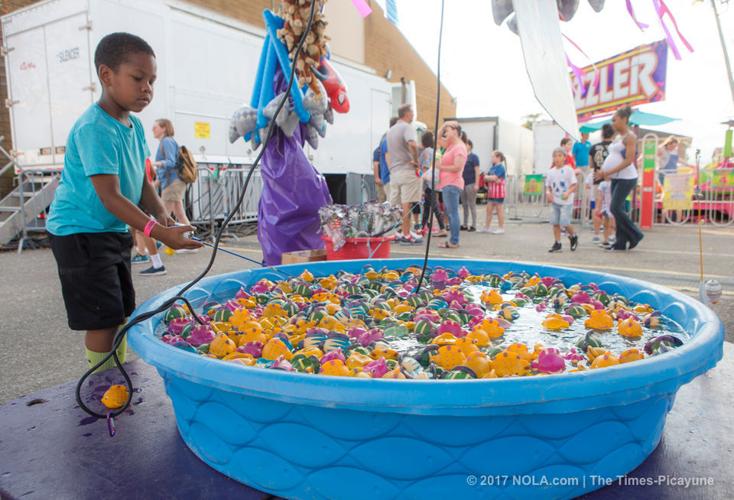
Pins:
x: 102, y: 187
x: 560, y: 186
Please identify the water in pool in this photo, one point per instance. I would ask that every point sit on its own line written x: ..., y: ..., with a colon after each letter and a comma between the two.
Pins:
x: 459, y: 325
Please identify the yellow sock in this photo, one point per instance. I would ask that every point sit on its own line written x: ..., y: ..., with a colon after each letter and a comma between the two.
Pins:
x: 95, y: 357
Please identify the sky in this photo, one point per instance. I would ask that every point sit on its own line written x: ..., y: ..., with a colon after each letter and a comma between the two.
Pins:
x: 482, y: 64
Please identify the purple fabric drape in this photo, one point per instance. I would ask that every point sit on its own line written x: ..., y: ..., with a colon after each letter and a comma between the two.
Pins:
x: 293, y: 192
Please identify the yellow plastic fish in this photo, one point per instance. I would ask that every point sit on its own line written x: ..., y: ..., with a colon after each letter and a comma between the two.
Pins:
x: 221, y: 346
x: 599, y: 319
x: 335, y: 367
x: 478, y: 337
x: 492, y: 297
x: 631, y: 355
x: 275, y: 348
x: 555, y: 322
x: 607, y: 359
x: 449, y: 357
x: 630, y: 328
x: 444, y: 339
x: 479, y: 363
x: 115, y: 397
x: 508, y: 364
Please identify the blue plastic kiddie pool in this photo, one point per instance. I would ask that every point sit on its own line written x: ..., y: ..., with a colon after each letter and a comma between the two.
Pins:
x: 304, y: 436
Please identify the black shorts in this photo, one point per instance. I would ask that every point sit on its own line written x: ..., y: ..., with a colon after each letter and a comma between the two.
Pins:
x: 96, y: 279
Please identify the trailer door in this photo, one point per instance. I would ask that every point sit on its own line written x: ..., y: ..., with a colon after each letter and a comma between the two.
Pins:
x: 71, y: 83
x: 49, y: 87
x: 28, y: 96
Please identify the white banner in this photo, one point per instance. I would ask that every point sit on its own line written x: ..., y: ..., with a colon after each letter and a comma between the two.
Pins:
x: 540, y: 34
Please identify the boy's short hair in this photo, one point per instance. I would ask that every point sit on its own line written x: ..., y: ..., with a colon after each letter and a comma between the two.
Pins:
x: 565, y: 141
x: 114, y: 48
x: 559, y: 151
x: 607, y: 131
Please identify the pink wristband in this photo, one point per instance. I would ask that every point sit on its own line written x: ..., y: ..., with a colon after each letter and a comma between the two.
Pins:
x: 149, y: 227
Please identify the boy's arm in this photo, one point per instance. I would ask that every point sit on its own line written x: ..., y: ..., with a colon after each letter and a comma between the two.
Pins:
x: 107, y: 187
x: 152, y: 203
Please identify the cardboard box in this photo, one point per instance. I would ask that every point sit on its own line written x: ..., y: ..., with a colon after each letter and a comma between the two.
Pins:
x: 303, y: 256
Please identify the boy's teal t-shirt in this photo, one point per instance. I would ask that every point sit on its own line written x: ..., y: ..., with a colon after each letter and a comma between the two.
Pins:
x: 97, y: 144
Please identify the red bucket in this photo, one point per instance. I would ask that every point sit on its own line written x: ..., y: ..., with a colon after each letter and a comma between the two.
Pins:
x: 359, y: 248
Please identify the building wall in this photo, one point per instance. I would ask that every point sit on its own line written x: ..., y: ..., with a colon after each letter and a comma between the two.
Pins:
x: 387, y: 49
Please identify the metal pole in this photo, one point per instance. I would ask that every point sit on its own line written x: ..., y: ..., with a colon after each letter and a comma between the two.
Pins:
x: 24, y: 234
x: 723, y: 49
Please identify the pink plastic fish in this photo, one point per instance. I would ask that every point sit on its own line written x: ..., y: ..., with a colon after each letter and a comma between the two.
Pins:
x: 253, y: 348
x: 549, y: 361
x: 376, y: 369
x: 200, y: 334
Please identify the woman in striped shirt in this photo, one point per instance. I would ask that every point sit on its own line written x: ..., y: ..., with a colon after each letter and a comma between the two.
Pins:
x: 496, y: 192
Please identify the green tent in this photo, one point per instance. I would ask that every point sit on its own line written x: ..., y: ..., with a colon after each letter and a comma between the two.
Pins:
x: 638, y: 118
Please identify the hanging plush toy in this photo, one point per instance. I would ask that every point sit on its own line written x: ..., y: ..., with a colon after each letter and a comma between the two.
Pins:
x: 319, y: 91
x: 335, y: 87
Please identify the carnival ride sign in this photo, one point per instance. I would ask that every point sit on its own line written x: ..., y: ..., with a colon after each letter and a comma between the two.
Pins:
x: 628, y: 79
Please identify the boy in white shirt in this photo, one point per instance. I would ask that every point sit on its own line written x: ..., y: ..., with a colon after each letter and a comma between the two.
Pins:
x: 560, y: 186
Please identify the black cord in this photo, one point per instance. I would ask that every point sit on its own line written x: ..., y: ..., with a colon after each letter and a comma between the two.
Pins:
x: 120, y: 335
x: 433, y: 160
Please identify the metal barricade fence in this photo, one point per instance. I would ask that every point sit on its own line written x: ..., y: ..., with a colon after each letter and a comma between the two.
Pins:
x: 216, y: 190
x: 712, y: 203
x: 522, y: 205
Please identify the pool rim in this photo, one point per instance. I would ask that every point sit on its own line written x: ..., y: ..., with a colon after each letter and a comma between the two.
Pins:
x: 622, y: 384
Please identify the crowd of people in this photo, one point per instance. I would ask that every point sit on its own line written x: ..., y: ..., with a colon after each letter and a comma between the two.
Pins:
x: 607, y: 171
x: 433, y: 178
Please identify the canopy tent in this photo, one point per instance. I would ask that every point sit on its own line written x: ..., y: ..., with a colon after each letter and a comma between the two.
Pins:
x: 638, y: 118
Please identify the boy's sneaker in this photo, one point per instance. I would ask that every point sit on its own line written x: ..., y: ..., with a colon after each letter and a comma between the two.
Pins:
x: 556, y: 247
x: 154, y: 271
x: 140, y: 259
x: 574, y: 239
x: 498, y: 231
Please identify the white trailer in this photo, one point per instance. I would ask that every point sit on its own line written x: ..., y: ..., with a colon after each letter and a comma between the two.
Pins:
x: 206, y: 68
x: 547, y: 136
x: 494, y: 133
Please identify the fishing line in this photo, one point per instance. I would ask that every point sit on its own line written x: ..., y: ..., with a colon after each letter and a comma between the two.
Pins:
x: 433, y: 160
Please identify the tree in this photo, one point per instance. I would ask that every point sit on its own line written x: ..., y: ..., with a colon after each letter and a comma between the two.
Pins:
x: 530, y: 120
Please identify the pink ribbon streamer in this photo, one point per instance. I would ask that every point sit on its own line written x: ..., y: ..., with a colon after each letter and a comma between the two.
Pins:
x: 662, y: 9
x: 578, y: 74
x: 596, y: 70
x: 362, y: 7
x: 631, y: 11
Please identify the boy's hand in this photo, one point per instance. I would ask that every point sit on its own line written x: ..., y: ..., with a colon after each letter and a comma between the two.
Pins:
x: 564, y: 196
x: 175, y: 237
